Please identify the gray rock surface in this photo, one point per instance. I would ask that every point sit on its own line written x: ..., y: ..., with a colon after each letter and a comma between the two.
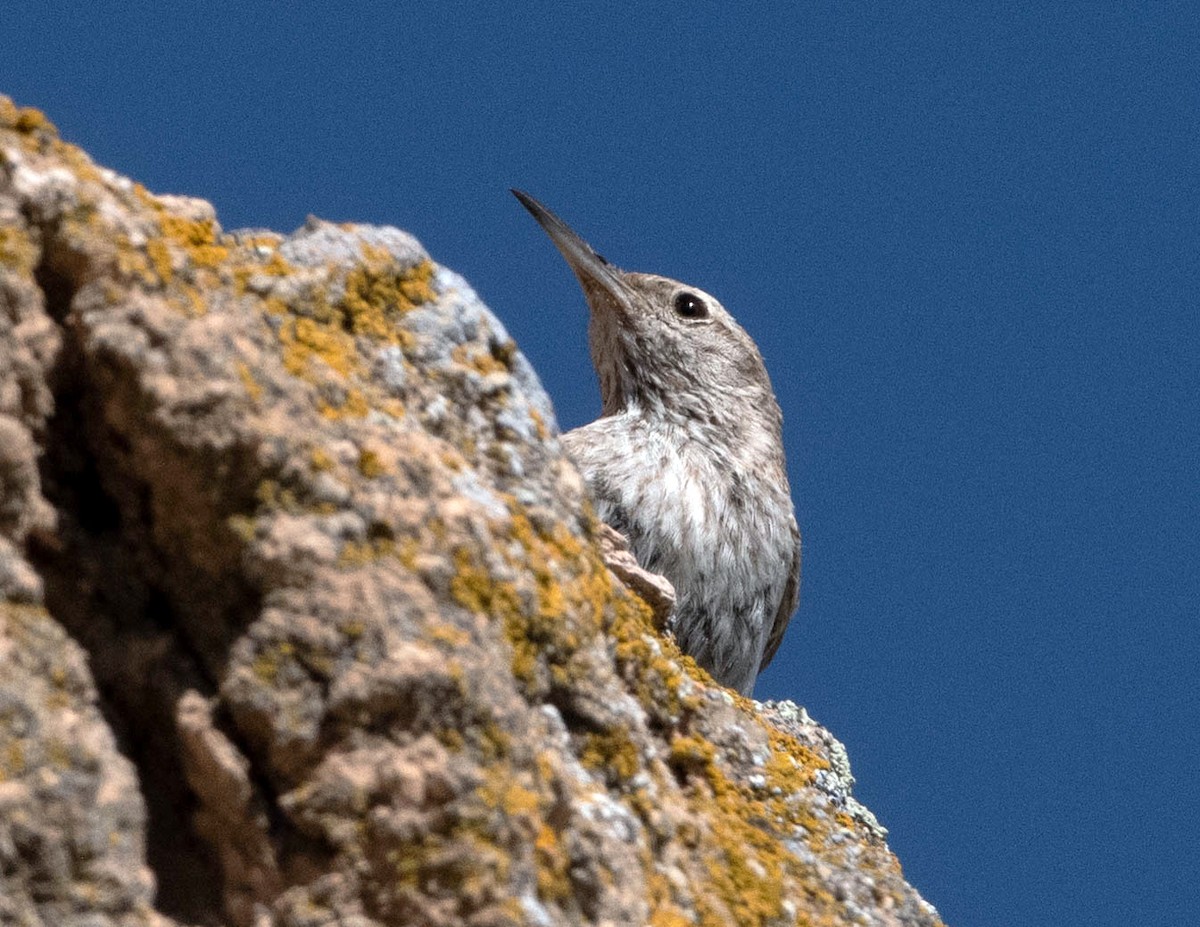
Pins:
x: 353, y: 652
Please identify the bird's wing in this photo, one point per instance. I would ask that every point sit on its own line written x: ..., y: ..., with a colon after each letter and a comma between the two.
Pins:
x: 791, y: 598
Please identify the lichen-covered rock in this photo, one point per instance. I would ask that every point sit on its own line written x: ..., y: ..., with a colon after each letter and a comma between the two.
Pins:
x: 301, y: 501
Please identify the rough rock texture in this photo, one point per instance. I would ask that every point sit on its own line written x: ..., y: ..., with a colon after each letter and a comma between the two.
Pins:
x: 353, y: 655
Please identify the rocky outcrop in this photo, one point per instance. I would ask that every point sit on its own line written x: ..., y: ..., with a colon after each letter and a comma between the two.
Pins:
x: 304, y: 618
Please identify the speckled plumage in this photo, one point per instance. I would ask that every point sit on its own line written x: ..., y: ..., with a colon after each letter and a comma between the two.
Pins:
x: 686, y: 459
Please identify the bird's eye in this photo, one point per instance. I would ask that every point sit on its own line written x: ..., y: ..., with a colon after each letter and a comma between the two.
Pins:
x: 690, y: 306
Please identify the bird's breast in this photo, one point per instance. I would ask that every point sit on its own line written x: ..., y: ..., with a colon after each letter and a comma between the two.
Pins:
x: 704, y: 524
x: 720, y: 528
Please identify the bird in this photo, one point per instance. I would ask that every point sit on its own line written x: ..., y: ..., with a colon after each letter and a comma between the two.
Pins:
x: 686, y: 459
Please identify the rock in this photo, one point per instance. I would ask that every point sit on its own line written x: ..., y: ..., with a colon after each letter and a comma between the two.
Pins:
x: 354, y: 655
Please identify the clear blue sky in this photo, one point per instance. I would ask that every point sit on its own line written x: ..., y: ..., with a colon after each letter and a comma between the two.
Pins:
x: 967, y: 242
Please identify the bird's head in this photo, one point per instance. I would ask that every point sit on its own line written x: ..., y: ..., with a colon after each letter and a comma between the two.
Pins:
x: 661, y: 345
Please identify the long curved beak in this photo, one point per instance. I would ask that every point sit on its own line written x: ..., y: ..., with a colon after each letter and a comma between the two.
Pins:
x: 601, y: 282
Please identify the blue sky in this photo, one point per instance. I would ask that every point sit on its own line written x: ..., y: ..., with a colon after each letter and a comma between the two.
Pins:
x: 967, y: 240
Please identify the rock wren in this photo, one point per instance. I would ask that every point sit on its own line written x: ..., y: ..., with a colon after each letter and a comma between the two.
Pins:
x: 686, y: 459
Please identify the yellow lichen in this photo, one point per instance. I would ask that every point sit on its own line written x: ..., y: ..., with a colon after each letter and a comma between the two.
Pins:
x: 57, y: 754
x: 475, y: 589
x: 198, y: 238
x: 252, y: 386
x: 407, y: 553
x: 360, y: 553
x: 493, y: 743
x: 370, y: 464
x: 353, y: 405
x: 569, y: 598
x: 275, y: 265
x: 462, y: 862
x: 746, y: 866
x: 305, y: 340
x: 133, y: 263
x: 558, y: 600
x: 272, y: 495
x: 448, y: 634
x: 160, y: 259
x: 16, y: 250
x: 663, y: 910
x: 243, y: 527
x: 378, y: 291
x: 266, y: 667
x: 539, y: 424
x: 611, y: 752
x: 451, y: 738
x: 28, y: 119
x: 195, y: 304
x: 480, y: 360
x: 146, y: 198
x: 299, y: 657
x: 321, y: 460
x: 689, y: 755
x: 553, y: 865
x: 502, y: 791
